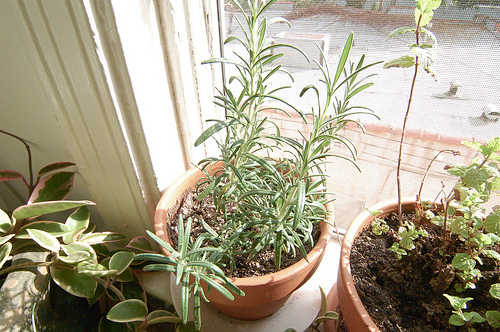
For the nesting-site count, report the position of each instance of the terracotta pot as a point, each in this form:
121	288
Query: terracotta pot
353	311
264	295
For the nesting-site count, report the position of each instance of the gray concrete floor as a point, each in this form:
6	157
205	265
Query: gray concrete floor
468	54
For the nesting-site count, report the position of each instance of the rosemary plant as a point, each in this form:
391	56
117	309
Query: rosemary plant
191	265
278	201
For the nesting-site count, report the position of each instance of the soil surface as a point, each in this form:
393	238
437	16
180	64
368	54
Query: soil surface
189	206
406	295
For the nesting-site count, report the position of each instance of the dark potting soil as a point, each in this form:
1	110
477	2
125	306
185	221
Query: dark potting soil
188	205
407	295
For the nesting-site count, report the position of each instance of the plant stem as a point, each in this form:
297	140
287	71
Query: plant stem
455	153
21	266
403	131
30	159
403	134
108	285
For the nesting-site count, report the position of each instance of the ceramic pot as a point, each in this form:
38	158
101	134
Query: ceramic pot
264	295
353	311
31	301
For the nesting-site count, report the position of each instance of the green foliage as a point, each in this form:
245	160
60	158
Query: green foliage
461	318
277	201
131	310
466	222
423	53
379	225
79	259
81	264
192	264
479	233
323	314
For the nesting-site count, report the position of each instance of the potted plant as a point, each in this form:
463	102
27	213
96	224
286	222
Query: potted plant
436	254
260	203
59	275
450	246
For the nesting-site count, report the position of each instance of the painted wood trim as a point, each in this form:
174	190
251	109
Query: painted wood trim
131	121
74	78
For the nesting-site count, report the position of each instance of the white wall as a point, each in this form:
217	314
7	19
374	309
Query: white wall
79	78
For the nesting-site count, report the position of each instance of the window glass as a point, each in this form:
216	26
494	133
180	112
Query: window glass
463	104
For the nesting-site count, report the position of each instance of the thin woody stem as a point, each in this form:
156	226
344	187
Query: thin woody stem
30	159
403	131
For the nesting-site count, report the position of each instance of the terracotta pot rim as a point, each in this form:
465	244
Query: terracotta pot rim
313	255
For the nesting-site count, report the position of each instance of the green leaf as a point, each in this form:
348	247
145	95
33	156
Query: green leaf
217	286
458	302
42	208
463	261
459	226
475	177
324	303
7	175
105	325
5	250
96	270
4	239
140	243
495	291
76	224
405	61
492	223
330	315
301	201
128	311
473	317
343	57
162	316
426	9
53	187
126	276
75	257
492	254
456	320
161	242
5	222
54	228
121	260
495	184
102	237
160	267
214	129
184	298
75	283
493	145
493	318
400	31
44	239
77	246
54	167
